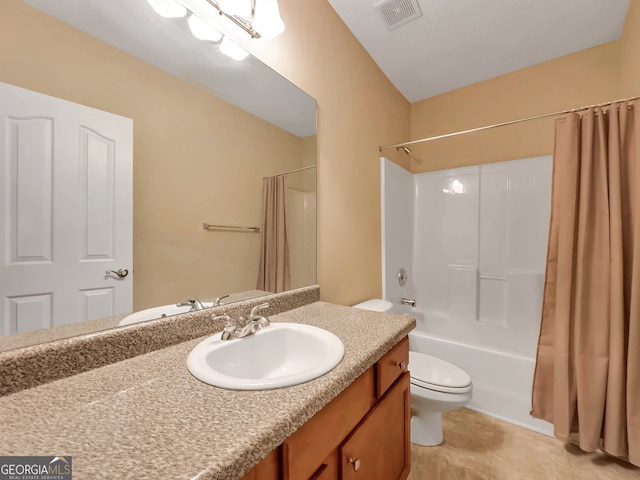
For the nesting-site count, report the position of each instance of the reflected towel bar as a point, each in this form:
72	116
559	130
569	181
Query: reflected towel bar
208	226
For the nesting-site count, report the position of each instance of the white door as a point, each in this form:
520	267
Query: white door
65	211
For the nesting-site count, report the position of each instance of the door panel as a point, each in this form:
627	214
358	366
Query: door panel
30	312
98	184
97	302
30	202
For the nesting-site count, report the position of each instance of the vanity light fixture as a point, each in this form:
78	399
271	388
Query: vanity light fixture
266	19
242	8
259	18
231	49
208	19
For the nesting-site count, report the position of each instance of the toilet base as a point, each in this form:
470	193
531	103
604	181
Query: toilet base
426	430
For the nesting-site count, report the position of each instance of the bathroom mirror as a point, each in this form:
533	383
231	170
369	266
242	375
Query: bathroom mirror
206	130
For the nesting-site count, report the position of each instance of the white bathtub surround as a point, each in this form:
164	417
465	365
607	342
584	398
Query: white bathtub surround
473	241
397	214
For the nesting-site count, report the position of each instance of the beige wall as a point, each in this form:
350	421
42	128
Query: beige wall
583	78
190	164
309	150
358	110
630	52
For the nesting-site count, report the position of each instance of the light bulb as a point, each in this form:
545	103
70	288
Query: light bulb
168	8
267	21
202	30
241	8
231	49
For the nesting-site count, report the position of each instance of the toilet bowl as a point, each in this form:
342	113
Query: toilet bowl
437	386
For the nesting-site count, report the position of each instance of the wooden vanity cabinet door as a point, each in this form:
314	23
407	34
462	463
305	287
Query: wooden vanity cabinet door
267	469
379	448
391	366
329	468
303	453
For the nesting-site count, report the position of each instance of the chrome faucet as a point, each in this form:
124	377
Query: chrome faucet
408	301
245	326
216	302
194	303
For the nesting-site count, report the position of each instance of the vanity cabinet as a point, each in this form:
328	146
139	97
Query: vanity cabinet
379	447
362	434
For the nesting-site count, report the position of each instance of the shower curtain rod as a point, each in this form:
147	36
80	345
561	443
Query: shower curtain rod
512	122
291	171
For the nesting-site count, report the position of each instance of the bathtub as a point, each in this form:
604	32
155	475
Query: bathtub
501	380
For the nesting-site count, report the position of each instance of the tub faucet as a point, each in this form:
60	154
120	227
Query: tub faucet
408	301
194	303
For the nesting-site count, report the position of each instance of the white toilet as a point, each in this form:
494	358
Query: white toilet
436	386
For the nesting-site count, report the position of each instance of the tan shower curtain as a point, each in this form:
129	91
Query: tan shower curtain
274	274
587	378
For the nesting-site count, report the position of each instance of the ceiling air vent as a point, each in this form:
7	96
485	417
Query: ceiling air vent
396	13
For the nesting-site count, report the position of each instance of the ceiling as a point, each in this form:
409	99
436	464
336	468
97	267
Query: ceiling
166	43
460	42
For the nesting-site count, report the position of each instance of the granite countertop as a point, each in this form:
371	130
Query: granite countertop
147	417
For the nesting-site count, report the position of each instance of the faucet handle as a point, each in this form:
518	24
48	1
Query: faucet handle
229	328
254	310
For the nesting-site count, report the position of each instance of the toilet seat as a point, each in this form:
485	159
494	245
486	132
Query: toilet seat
436	374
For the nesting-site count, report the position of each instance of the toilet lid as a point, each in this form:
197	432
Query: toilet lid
376	305
436	374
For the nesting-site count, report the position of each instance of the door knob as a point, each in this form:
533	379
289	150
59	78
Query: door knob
121	273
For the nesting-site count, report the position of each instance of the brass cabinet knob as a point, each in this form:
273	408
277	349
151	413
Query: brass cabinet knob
354	463
403	366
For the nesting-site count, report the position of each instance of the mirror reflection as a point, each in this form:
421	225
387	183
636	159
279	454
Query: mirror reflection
203	133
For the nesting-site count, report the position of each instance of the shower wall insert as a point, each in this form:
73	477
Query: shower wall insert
301	225
473	241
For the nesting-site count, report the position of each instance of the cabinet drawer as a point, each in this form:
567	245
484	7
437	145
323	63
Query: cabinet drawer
305	450
391	366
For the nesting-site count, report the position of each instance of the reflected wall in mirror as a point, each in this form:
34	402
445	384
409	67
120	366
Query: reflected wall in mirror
197	157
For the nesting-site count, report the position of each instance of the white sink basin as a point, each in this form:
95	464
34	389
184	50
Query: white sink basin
157	312
278	355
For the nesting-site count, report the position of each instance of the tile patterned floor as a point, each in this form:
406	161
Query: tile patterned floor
478	447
